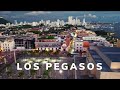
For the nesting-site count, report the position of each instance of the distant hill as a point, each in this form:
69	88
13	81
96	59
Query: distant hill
3	21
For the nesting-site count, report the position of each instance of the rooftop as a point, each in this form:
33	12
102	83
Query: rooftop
23	37
113	53
4	38
98	59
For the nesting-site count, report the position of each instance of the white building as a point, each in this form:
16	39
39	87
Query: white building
48	45
70	19
7	43
16	23
96	38
84	22
80	45
34	23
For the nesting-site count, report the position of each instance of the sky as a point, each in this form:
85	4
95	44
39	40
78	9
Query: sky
30	16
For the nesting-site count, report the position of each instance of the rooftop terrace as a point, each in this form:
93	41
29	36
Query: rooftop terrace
113	53
98	59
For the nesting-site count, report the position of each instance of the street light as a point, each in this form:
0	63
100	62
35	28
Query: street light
75	70
15	56
60	71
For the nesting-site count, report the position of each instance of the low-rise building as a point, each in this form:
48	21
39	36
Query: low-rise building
24	42
109	57
80	45
48	44
118	43
7	43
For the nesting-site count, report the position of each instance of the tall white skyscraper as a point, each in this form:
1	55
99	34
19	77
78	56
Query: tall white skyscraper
58	22
73	22
84	23
15	22
76	20
70	19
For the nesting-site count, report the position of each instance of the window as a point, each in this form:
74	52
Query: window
80	44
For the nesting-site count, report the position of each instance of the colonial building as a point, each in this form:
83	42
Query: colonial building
24	42
7	43
48	44
80	45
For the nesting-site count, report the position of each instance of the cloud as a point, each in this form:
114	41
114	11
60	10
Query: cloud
90	15
37	13
5	12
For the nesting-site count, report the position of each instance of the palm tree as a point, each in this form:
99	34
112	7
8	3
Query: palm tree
40	70
17	62
46	73
50	73
33	72
68	70
21	74
9	71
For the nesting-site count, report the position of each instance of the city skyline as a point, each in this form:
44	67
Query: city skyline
60	49
91	16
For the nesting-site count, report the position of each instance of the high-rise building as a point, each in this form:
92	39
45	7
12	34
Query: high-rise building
84	23
70	19
16	23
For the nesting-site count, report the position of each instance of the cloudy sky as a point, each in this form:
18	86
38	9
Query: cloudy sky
54	15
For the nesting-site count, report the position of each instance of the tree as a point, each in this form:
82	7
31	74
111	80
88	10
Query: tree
21	74
68	54
46	73
32	72
36	32
9	70
68	69
41	25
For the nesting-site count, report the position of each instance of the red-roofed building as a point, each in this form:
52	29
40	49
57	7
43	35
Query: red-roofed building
67	41
86	44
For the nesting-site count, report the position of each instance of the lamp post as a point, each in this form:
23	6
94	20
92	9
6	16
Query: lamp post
5	63
75	70
61	72
14	56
